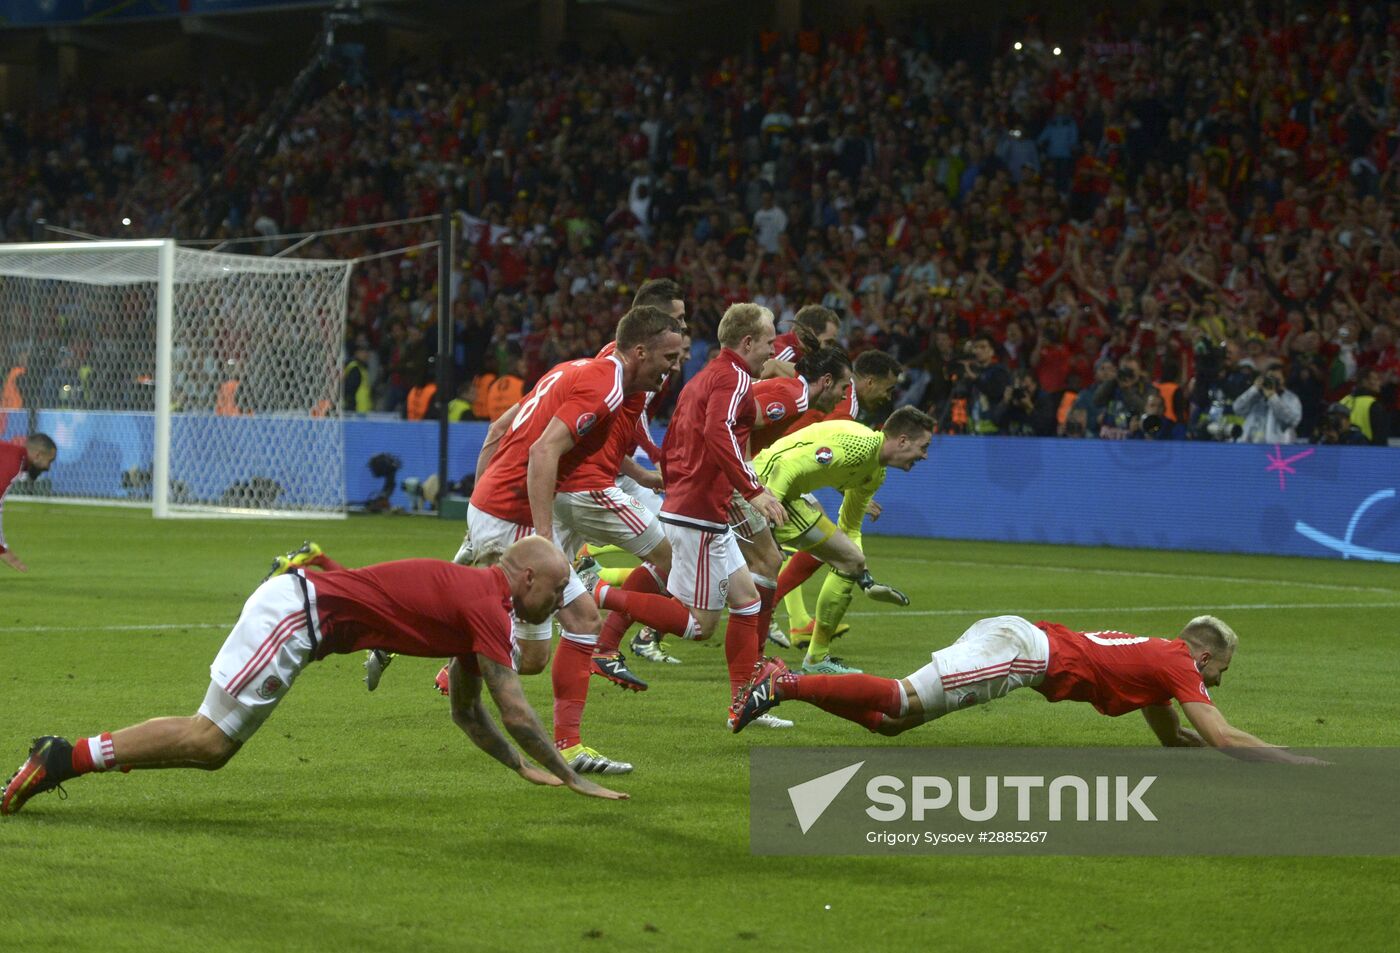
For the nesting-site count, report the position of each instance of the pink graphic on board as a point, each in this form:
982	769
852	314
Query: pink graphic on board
1280	464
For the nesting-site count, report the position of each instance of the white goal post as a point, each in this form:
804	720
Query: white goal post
192	382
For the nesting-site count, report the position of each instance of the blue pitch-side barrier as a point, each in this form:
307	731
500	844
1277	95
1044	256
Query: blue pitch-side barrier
1342	502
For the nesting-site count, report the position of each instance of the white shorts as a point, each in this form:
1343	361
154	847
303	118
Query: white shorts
605	518
994	656
272	641
648	498
484	532
701	564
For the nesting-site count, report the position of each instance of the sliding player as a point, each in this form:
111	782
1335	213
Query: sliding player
1113	671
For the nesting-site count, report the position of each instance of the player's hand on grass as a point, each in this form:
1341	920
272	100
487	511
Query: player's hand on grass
581	785
537	775
13	561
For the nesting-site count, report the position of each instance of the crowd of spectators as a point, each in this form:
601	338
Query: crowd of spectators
1162	230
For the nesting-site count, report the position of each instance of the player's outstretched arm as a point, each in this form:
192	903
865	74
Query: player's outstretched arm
1165	724
13	561
470	714
1219	733
542	474
524	726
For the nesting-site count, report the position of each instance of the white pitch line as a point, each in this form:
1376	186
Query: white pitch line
890	613
1197	608
136	627
1147	574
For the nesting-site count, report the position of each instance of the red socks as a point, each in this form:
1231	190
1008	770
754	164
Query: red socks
742	642
570	671
641	599
865	717
94	754
840	693
767	599
798	570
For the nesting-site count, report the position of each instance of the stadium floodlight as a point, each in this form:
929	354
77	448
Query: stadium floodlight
193	382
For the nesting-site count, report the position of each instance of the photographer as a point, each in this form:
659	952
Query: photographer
1025	410
1123	399
1154	424
984	382
1336	427
1270	410
1367	411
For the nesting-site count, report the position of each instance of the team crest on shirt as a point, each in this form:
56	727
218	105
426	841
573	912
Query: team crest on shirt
270	687
824	455
585	423
774	411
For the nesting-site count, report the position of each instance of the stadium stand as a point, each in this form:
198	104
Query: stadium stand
1197	204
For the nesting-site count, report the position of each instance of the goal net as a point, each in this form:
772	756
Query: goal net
188	381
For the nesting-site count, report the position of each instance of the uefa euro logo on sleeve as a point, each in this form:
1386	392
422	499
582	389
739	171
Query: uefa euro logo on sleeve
824	455
774	411
585	423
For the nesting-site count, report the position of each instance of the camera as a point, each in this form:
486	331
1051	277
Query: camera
1152	424
1018	393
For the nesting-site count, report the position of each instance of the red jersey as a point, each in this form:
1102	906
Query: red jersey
14	459
629	436
786	347
1118	673
621	435
703	451
581	394
778	405
423	607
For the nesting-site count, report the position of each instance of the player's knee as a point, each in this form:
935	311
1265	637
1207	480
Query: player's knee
534	657
850	565
661	561
581	616
768	564
706	620
207	746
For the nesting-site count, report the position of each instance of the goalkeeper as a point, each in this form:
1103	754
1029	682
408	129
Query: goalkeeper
852	458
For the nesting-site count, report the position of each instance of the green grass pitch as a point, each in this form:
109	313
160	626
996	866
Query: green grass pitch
368	822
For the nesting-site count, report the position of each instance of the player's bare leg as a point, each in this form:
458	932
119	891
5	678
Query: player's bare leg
765	559
193	742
